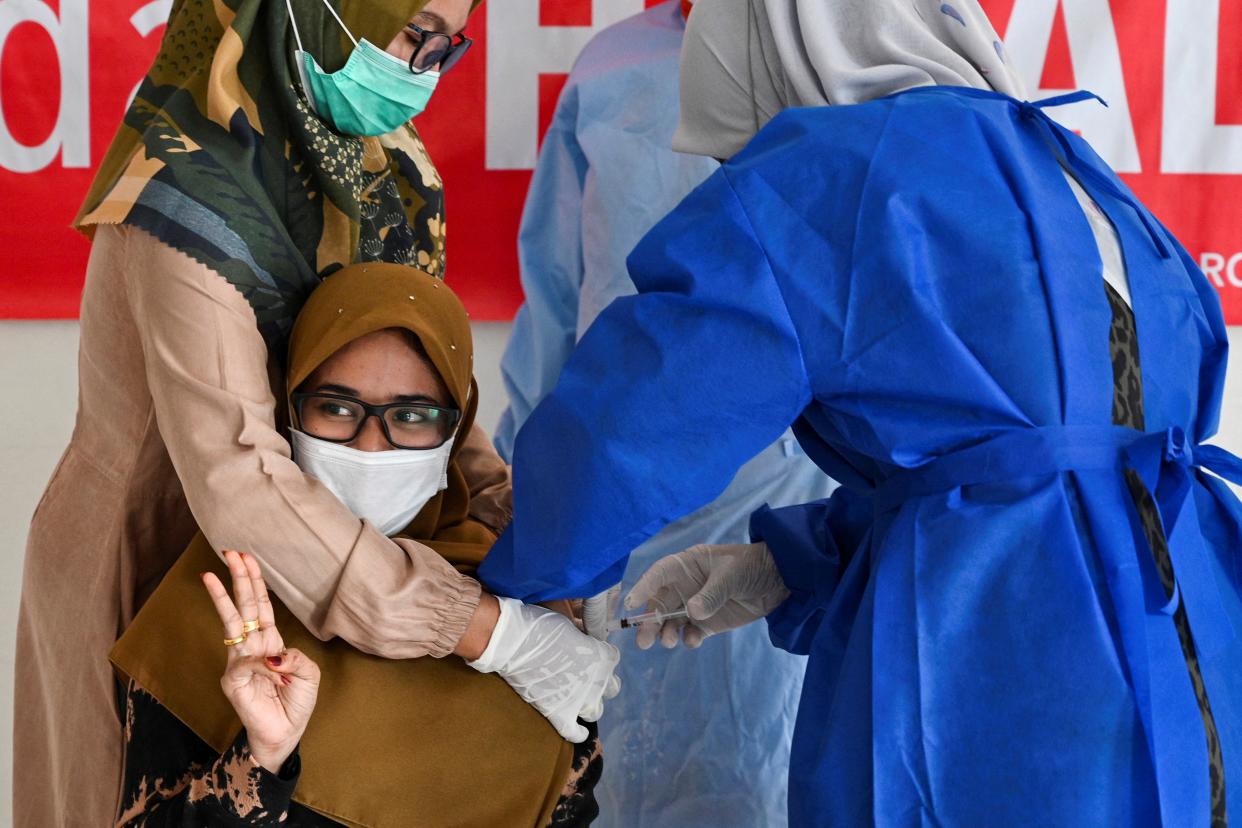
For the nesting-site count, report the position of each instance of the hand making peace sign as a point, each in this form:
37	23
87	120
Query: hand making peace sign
273	689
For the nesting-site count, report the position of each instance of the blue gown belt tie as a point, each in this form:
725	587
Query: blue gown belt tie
1166	463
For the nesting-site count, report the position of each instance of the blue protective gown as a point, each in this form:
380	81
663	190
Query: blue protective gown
912	283
695	738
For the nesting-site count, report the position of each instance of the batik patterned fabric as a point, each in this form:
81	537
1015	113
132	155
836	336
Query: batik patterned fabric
578	806
220	157
173	779
180	782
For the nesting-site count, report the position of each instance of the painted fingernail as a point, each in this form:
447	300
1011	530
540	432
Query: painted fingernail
286	680
275	661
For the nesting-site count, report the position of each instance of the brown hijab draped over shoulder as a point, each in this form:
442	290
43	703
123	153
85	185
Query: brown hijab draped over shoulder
423	742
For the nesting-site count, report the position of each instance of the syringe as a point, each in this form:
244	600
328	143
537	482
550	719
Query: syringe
653	617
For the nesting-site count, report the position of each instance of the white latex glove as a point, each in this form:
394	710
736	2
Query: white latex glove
598	611
564	674
720	587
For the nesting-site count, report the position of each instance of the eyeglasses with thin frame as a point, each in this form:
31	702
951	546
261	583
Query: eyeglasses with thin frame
339	419
437	48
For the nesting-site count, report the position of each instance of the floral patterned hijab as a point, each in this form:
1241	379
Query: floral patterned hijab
220	157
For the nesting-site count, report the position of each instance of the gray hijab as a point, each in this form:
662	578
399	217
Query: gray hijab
743	61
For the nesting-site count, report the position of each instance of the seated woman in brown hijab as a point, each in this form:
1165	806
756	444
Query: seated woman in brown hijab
380	383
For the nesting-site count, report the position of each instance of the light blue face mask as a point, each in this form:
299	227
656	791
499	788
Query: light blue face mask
372	94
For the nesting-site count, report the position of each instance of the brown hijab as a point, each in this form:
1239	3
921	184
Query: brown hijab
422	742
364	299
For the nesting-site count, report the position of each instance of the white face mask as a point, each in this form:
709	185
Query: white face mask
387	488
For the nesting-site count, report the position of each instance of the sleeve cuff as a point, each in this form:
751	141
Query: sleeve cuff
453	618
811	559
796	538
416	607
250	792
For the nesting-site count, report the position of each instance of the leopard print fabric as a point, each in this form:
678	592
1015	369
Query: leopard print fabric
1128	411
1127	374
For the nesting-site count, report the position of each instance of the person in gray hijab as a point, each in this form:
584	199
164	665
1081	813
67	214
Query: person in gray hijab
743	61
1020	606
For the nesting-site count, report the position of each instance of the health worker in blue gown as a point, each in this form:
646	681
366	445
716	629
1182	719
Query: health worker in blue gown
694	738
1023	606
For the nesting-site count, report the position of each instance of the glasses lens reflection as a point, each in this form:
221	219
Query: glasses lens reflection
430	52
456	54
331	419
418	426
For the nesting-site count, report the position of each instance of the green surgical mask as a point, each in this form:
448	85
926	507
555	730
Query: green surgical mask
372	94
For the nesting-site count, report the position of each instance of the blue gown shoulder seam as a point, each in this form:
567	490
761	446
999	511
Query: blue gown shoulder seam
767	261
866	177
863	187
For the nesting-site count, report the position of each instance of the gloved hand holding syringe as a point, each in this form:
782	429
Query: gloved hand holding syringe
599	615
705	590
716	610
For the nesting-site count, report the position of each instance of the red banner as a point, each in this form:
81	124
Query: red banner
67	69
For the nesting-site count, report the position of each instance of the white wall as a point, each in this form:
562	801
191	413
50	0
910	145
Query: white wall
38	378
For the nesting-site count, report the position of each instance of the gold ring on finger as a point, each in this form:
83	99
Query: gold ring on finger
233	642
250	626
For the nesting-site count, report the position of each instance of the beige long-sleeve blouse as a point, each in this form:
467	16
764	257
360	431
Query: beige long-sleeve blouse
176	410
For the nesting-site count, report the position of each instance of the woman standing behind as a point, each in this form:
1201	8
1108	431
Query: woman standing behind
226	196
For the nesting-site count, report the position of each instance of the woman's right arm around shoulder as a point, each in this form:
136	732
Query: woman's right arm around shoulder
207	370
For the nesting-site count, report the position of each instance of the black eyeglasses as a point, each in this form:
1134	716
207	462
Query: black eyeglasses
339	419
437	48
